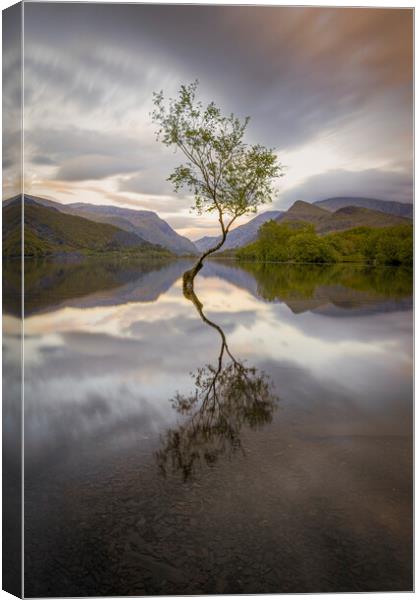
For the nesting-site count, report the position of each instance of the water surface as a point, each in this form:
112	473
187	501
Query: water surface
255	440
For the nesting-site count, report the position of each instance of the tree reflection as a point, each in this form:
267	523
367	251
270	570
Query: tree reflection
226	396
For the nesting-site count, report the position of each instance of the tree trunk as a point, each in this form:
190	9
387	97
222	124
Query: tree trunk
188	277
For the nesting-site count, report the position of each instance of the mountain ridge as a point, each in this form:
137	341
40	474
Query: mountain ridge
347	217
50	232
391	207
147	225
328	215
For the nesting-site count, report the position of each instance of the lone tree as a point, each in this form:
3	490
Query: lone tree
225	175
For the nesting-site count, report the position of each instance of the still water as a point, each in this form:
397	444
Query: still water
254	438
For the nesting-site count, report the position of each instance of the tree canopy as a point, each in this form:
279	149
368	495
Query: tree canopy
225	175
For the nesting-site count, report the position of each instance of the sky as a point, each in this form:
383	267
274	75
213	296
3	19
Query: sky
330	89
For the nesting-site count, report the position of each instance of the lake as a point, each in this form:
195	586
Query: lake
256	438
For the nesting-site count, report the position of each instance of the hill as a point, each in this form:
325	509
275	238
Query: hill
398	209
300	243
353	216
240	236
345	218
144	223
49	231
303	212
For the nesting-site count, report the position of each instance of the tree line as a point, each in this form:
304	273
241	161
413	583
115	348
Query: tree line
299	243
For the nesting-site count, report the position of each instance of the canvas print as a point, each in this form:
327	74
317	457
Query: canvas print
207	299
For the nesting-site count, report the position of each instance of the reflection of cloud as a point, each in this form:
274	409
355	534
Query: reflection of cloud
358	332
53	429
334	408
111	378
101	377
329	480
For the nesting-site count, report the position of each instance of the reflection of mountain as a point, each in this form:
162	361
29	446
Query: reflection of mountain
227	395
233	273
88	283
330	289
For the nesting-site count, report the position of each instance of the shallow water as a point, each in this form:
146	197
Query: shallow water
255	440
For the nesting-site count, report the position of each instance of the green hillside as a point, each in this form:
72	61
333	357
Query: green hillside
48	231
145	224
300	243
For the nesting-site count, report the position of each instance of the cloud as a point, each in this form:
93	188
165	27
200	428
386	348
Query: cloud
371	183
93	167
193	221
70	142
85	154
299	72
11	99
149	181
312	66
39	159
156	203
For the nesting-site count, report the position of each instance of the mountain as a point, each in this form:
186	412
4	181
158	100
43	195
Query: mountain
325	221
143	223
354	216
240	236
50	231
340	220
398	209
301	212
206	242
